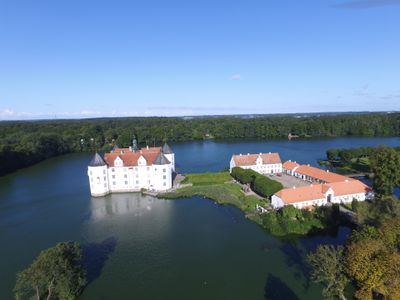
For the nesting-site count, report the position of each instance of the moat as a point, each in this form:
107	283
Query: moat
160	249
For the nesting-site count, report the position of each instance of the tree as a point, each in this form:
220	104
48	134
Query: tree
55	274
328	269
373	260
385	164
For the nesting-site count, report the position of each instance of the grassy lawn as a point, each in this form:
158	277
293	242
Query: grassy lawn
216	186
207	178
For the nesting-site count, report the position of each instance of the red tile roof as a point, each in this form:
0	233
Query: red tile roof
348	187
322	175
301	194
318	191
250	159
290	165
130	158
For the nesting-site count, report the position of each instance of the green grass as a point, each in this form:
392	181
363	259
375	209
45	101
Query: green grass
217	187
207	178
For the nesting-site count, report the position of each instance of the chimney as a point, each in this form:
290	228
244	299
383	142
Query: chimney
327	171
260	153
248	153
346	180
147	147
130	148
294	187
240	154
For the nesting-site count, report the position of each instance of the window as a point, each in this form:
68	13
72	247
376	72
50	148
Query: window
148	181
105	185
165	177
164	184
164	170
112	170
104	178
98	180
148	168
125	176
90	172
137	181
126	182
113	177
104	172
113	182
91	179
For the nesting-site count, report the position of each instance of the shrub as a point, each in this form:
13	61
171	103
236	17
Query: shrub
243	175
262	185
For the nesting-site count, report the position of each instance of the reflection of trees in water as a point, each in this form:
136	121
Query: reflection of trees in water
295	257
95	256
276	289
117	204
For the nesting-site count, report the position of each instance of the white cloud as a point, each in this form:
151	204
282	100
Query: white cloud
10	114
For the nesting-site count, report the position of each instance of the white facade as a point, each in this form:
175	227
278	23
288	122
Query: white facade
131	171
257	164
277	202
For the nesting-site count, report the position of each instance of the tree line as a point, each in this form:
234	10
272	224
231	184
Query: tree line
370	257
23	143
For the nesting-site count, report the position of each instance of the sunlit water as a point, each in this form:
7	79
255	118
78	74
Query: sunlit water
144	248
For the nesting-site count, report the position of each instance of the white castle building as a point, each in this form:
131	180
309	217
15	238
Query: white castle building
263	163
132	169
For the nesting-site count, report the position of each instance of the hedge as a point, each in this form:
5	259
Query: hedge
261	184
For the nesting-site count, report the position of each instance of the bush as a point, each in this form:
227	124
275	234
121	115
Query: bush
266	187
244	175
262	185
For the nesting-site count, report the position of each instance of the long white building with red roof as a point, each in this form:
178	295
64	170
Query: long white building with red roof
132	169
263	163
325	187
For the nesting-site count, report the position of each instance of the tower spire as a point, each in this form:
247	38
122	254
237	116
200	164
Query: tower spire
134	143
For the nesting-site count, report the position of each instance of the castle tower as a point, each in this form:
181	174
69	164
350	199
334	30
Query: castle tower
162	173
98	176
167	151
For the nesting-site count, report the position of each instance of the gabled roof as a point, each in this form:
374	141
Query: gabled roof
290	165
161	160
301	194
348	187
319	191
166	149
251	159
130	158
322	175
97	161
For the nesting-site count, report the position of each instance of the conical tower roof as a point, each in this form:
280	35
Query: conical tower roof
161	160
166	149
97	161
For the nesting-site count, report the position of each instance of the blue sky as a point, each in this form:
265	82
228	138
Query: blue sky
77	59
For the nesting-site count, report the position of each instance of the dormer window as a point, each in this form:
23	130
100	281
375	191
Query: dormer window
142	161
118	162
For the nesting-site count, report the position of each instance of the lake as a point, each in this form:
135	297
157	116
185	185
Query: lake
145	248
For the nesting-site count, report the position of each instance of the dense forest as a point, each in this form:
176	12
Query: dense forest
23	143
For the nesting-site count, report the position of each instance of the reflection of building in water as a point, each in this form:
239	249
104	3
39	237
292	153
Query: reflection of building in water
119	204
132	169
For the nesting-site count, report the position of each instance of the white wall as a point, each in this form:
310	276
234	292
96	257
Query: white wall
98	180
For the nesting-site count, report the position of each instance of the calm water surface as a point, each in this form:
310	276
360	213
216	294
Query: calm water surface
145	248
